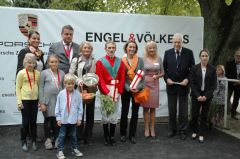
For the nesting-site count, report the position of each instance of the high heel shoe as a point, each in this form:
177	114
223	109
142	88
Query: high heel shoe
146	133
201	139
152	133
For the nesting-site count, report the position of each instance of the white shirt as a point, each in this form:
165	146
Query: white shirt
180	51
66	47
203	78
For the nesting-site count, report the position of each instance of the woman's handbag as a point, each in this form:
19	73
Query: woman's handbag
142	96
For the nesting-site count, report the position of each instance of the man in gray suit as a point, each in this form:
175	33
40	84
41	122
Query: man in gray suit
65	49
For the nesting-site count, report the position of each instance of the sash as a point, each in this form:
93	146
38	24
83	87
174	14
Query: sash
132	67
111	70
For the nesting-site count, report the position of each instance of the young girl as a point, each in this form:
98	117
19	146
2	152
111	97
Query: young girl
51	83
27	99
219	96
68	113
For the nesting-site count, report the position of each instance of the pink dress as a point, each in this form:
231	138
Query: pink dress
151	69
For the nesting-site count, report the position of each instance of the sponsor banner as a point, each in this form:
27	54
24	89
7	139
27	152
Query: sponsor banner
95	27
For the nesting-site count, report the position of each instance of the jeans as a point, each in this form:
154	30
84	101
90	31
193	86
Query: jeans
62	134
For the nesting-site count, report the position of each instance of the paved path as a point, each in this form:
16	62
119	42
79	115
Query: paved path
218	145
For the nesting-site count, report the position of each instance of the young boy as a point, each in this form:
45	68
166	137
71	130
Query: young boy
68	113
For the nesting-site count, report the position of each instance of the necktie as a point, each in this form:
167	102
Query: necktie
178	58
68	47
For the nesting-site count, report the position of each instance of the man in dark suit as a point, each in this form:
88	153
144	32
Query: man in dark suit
232	69
177	64
65	49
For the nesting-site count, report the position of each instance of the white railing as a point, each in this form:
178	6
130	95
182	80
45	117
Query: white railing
226	98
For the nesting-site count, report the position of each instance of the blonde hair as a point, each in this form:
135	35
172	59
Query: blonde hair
221	67
52	56
146	55
29	57
69	77
85	43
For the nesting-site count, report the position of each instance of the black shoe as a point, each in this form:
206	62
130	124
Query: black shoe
123	138
133	140
112	141
234	117
171	134
183	136
87	142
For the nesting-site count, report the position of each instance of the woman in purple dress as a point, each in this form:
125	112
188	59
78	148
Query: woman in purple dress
153	68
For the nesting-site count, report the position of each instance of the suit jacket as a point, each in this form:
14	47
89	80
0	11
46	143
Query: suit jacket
64	63
231	72
210	81
178	74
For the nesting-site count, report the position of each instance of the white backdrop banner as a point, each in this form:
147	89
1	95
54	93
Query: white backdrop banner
95	27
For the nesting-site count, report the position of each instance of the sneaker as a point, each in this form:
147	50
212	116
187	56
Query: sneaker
60	155
201	139
77	153
194	136
34	146
24	147
48	144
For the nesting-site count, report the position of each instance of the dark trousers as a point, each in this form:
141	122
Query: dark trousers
183	112
196	106
126	96
236	96
51	128
85	130
109	131
29	119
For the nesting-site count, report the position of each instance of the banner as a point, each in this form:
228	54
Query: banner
95	27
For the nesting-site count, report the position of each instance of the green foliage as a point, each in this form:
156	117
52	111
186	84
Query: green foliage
5	3
83	5
158	7
228	2
171	7
107	104
31	3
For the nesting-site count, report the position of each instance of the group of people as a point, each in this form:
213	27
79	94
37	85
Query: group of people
50	87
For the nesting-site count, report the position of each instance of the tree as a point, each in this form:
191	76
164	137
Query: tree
221	28
5	3
82	5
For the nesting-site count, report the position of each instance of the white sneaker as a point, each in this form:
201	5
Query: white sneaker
60	155
194	136
77	153
48	144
